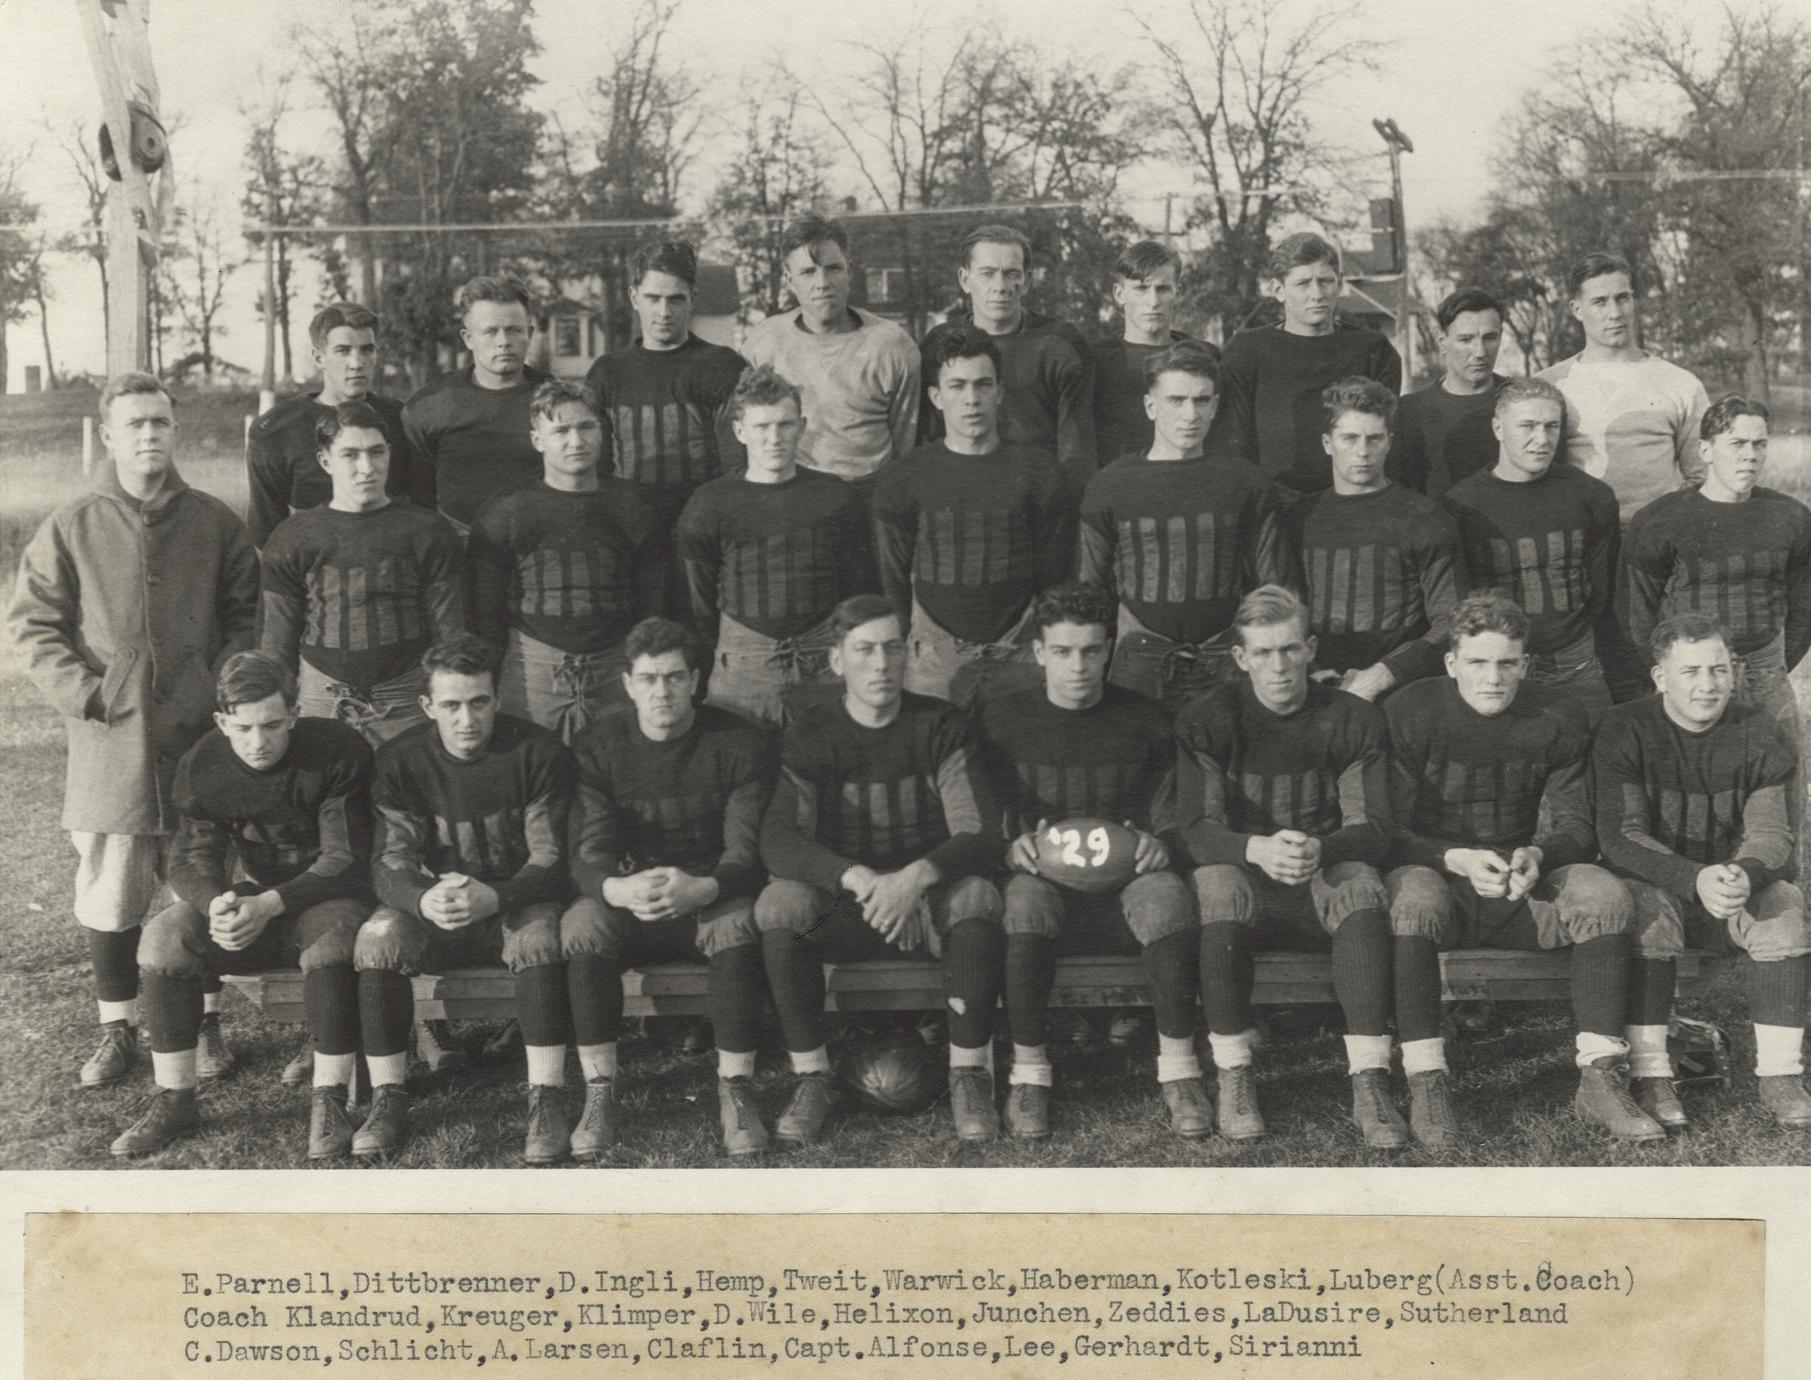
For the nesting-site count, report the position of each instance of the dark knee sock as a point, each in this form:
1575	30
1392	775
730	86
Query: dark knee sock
971	981
386	1011
330	999
1227	974
1171	967
115	960
1030	974
1361	971
1651	983
594	987
796	975
173	1011
1600	984
738	997
1417	982
1776	991
541	1005
211	983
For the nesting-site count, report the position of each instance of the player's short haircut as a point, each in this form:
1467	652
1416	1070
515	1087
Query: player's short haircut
1299	250
1182	357
965	342
129	385
1144	258
858	609
1074	602
1595	266
812	231
676	257
554	394
657	636
1487	611
1268	605
248	677
336	314
762	385
1456	304
486	289
342	415
1356	394
996	234
463	654
1530	389
1721	415
1686	627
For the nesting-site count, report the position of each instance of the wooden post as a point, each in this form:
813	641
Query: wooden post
87	447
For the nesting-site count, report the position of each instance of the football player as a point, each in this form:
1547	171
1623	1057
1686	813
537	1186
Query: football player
1443	432
1144	287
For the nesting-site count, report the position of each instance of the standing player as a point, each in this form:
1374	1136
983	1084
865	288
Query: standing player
1477	763
1691	801
468	430
355	591
1144	286
667	857
1178	537
560	572
1443	432
1076	746
1272	377
880	838
471	867
1544	535
968	530
288	799
282	456
769	554
1282	790
1046	371
128	598
858	372
1381	563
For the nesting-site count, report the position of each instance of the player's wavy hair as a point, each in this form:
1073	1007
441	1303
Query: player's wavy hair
335	315
657	636
1455	304
1721	415
1141	260
1299	250
554	394
342	415
996	234
1486	611
1183	357
464	654
1268	605
810	231
962	342
487	289
248	677
858	609
676	257
1356	394
1685	627
1530	389
1595	265
131	384
762	385
1074	602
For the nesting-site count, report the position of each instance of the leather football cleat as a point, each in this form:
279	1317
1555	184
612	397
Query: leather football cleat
548	1138
1191	1109
599	1123
169	1117
114	1058
330	1127
802	1123
1783	1095
300	1067
740	1113
1027	1111
1431	1115
213	1056
434	1047
1660	1100
386	1126
1375	1111
1236	1108
972	1104
1603	1098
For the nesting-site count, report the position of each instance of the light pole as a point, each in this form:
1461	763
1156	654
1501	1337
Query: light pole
1398	144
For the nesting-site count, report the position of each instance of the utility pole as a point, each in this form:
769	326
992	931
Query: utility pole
1398	144
267	394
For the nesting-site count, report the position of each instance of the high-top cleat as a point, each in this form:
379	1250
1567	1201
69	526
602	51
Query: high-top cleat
1191	1109
386	1125
114	1058
740	1113
1603	1098
300	1067
802	1123
169	1117
502	1045
1783	1095
213	1056
1660	1100
1027	1111
1431	1114
434	1047
1236	1108
330	1128
548	1138
1375	1111
972	1104
599	1123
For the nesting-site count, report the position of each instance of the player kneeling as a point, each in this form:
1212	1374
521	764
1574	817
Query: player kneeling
1077	747
880	838
667	856
1473	759
289	798
1283	790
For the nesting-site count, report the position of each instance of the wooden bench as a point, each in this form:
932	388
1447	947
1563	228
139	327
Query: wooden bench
678	989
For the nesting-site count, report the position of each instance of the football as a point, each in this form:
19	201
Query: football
1087	854
895	1072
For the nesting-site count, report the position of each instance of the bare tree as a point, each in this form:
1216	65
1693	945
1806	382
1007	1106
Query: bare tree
281	188
777	173
40	296
196	265
79	147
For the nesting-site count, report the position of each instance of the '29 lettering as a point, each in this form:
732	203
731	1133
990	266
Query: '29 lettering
1071	842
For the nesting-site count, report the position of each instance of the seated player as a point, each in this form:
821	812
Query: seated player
1282	792
1381	563
769	553
880	839
1476	762
471	867
288	797
1178	537
1691	804
1077	746
968	529
560	572
667	857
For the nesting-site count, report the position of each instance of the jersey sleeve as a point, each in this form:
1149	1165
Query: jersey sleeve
1406	755
423	487
267	483
903	404
1095	538
201	857
598	837
283	600
1440	573
342	867
1648	557
400	871
701	554
1073	385
1766	850
1625	827
789	844
1363	784
445	592
974	846
738	869
545	816
1798	587
1202	819
895	535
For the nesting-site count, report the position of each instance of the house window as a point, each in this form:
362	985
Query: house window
566	336
886	285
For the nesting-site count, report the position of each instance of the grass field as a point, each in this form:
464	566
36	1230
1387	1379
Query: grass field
1514	1084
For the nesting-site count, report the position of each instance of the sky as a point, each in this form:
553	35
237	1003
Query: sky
1453	72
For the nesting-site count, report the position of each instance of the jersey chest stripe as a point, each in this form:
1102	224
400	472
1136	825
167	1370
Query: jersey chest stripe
1534	599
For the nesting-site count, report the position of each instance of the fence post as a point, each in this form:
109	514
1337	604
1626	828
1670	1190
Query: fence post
87	447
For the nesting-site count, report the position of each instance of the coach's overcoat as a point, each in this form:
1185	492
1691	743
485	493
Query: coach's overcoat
122	613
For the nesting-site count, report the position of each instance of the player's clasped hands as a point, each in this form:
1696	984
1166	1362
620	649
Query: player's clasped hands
1152	856
1723	888
1488	871
893	902
660	893
456	901
235	922
1287	856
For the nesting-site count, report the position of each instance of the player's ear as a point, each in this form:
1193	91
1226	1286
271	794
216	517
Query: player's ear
1150	407
1452	665
220	721
1659	676
321	457
534	438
